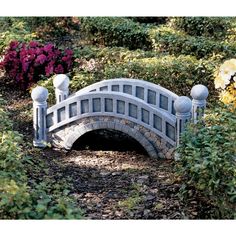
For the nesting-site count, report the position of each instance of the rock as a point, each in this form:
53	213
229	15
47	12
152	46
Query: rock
146	212
115	173
143	179
149	197
104	173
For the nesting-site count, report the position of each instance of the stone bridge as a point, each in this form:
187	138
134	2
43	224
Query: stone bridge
149	113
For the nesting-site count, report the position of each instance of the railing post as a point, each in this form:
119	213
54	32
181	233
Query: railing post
39	96
199	93
183	107
61	84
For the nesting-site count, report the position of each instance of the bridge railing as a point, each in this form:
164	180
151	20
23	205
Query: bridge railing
152	94
112	104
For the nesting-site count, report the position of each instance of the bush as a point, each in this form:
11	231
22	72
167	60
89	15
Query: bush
116	31
26	63
149	20
167	40
12	30
48	28
215	27
43	29
178	74
21	197
208	160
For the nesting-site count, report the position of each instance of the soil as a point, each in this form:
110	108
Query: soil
108	184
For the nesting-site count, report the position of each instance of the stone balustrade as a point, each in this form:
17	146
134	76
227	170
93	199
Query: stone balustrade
153	115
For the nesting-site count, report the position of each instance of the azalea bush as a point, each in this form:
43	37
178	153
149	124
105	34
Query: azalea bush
207	162
26	63
225	81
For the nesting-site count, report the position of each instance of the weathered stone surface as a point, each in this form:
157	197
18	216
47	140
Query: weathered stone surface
149	140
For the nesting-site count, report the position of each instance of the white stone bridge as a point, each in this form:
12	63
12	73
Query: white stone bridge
149	113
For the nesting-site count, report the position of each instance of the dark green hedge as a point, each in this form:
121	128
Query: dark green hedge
116	31
215	27
175	42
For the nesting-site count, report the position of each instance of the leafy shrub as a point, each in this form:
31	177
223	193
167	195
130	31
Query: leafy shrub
149	19
107	55
48	28
215	27
116	31
12	30
178	74
25	63
43	29
208	160
20	197
175	42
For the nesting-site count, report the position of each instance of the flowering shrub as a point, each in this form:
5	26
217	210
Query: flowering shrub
26	63
225	80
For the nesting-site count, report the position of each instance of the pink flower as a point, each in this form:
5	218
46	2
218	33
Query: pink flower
25	66
33	44
40	59
48	47
14	44
49	69
59	69
69	52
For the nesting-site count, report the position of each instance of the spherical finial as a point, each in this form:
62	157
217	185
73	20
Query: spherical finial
61	81
183	104
199	92
39	94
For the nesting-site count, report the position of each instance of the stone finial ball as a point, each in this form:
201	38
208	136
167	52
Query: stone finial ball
61	81
199	92
183	104
39	94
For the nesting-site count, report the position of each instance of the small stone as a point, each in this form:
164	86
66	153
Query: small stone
146	212
115	173
149	198
104	173
143	179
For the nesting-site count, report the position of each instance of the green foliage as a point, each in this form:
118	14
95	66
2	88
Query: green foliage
215	27
116	31
208	160
108	55
18	198
135	198
13	29
167	40
42	29
169	71
48	28
149	20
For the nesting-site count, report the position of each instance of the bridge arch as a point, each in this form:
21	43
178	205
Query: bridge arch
79	131
154	145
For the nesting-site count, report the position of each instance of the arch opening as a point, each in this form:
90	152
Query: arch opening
108	140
